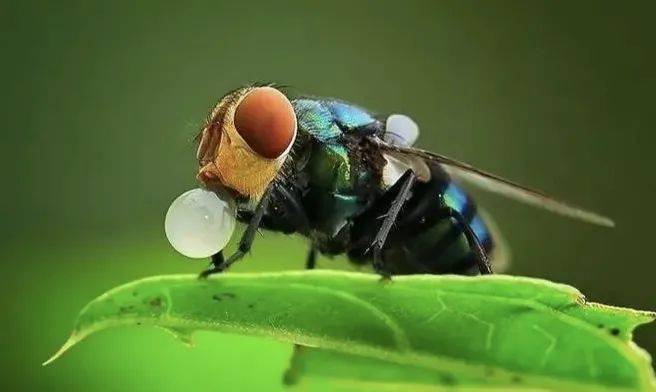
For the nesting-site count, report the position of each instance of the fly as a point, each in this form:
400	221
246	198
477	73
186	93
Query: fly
352	183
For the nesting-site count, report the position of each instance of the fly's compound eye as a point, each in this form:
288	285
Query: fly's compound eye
265	119
200	222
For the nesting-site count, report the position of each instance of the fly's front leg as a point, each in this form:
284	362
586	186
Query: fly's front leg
407	180
249	235
246	239
482	260
216	265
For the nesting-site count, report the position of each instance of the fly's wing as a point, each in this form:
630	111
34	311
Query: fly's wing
500	256
499	185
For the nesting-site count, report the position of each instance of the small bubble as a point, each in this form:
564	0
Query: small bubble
200	223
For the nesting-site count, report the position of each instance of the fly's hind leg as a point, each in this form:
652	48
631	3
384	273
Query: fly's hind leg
407	180
482	260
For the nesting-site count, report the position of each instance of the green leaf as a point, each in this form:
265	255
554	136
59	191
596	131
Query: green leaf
493	332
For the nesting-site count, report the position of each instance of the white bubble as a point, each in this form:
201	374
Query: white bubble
199	222
401	130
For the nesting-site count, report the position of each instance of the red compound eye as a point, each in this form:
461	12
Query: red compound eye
265	119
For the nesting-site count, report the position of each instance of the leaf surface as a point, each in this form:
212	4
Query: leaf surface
416	331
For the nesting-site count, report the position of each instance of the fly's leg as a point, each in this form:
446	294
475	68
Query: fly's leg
216	266
482	260
293	210
407	180
311	260
249	234
246	239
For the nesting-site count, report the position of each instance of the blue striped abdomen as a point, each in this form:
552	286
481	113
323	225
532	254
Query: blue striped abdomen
456	198
424	241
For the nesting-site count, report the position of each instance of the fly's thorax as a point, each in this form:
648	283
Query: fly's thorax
260	115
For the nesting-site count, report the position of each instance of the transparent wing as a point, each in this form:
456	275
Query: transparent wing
499	185
500	257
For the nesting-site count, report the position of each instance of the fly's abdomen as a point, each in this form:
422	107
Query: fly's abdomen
441	247
424	239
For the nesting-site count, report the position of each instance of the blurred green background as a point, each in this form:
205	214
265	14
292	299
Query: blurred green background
101	102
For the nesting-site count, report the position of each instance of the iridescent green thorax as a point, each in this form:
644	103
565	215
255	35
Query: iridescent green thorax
337	174
314	117
330	167
329	119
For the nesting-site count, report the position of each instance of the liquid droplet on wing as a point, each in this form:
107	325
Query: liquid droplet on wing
199	223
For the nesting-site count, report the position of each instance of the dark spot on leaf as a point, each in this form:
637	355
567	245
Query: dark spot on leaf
134	293
448	379
600	325
489	372
155	302
221	296
516	379
251	306
126	309
615	331
138	322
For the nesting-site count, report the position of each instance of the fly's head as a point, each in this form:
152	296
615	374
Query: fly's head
246	140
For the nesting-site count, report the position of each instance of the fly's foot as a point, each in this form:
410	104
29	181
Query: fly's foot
219	265
214	269
385	279
216	266
379	266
